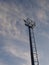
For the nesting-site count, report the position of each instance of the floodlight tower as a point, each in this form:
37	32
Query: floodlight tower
33	51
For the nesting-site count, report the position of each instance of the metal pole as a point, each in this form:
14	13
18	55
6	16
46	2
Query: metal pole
31	49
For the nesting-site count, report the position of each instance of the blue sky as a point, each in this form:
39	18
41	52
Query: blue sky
14	40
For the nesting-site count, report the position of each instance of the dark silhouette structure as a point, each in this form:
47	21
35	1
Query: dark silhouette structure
33	51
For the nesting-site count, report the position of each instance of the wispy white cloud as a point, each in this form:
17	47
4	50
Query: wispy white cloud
14	51
42	16
8	18
2	62
43	4
45	34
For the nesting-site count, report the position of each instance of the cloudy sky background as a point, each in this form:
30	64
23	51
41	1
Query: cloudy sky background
14	40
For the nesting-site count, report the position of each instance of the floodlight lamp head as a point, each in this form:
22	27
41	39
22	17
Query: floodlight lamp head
29	22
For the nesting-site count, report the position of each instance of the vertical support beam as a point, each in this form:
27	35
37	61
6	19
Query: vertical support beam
31	49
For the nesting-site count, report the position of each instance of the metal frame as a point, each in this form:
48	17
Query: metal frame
30	24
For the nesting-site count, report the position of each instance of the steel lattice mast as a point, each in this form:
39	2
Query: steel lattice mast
33	51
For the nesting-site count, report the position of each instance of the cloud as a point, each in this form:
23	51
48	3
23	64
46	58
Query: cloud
11	26
45	34
43	4
9	16
2	62
41	11
42	16
14	51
